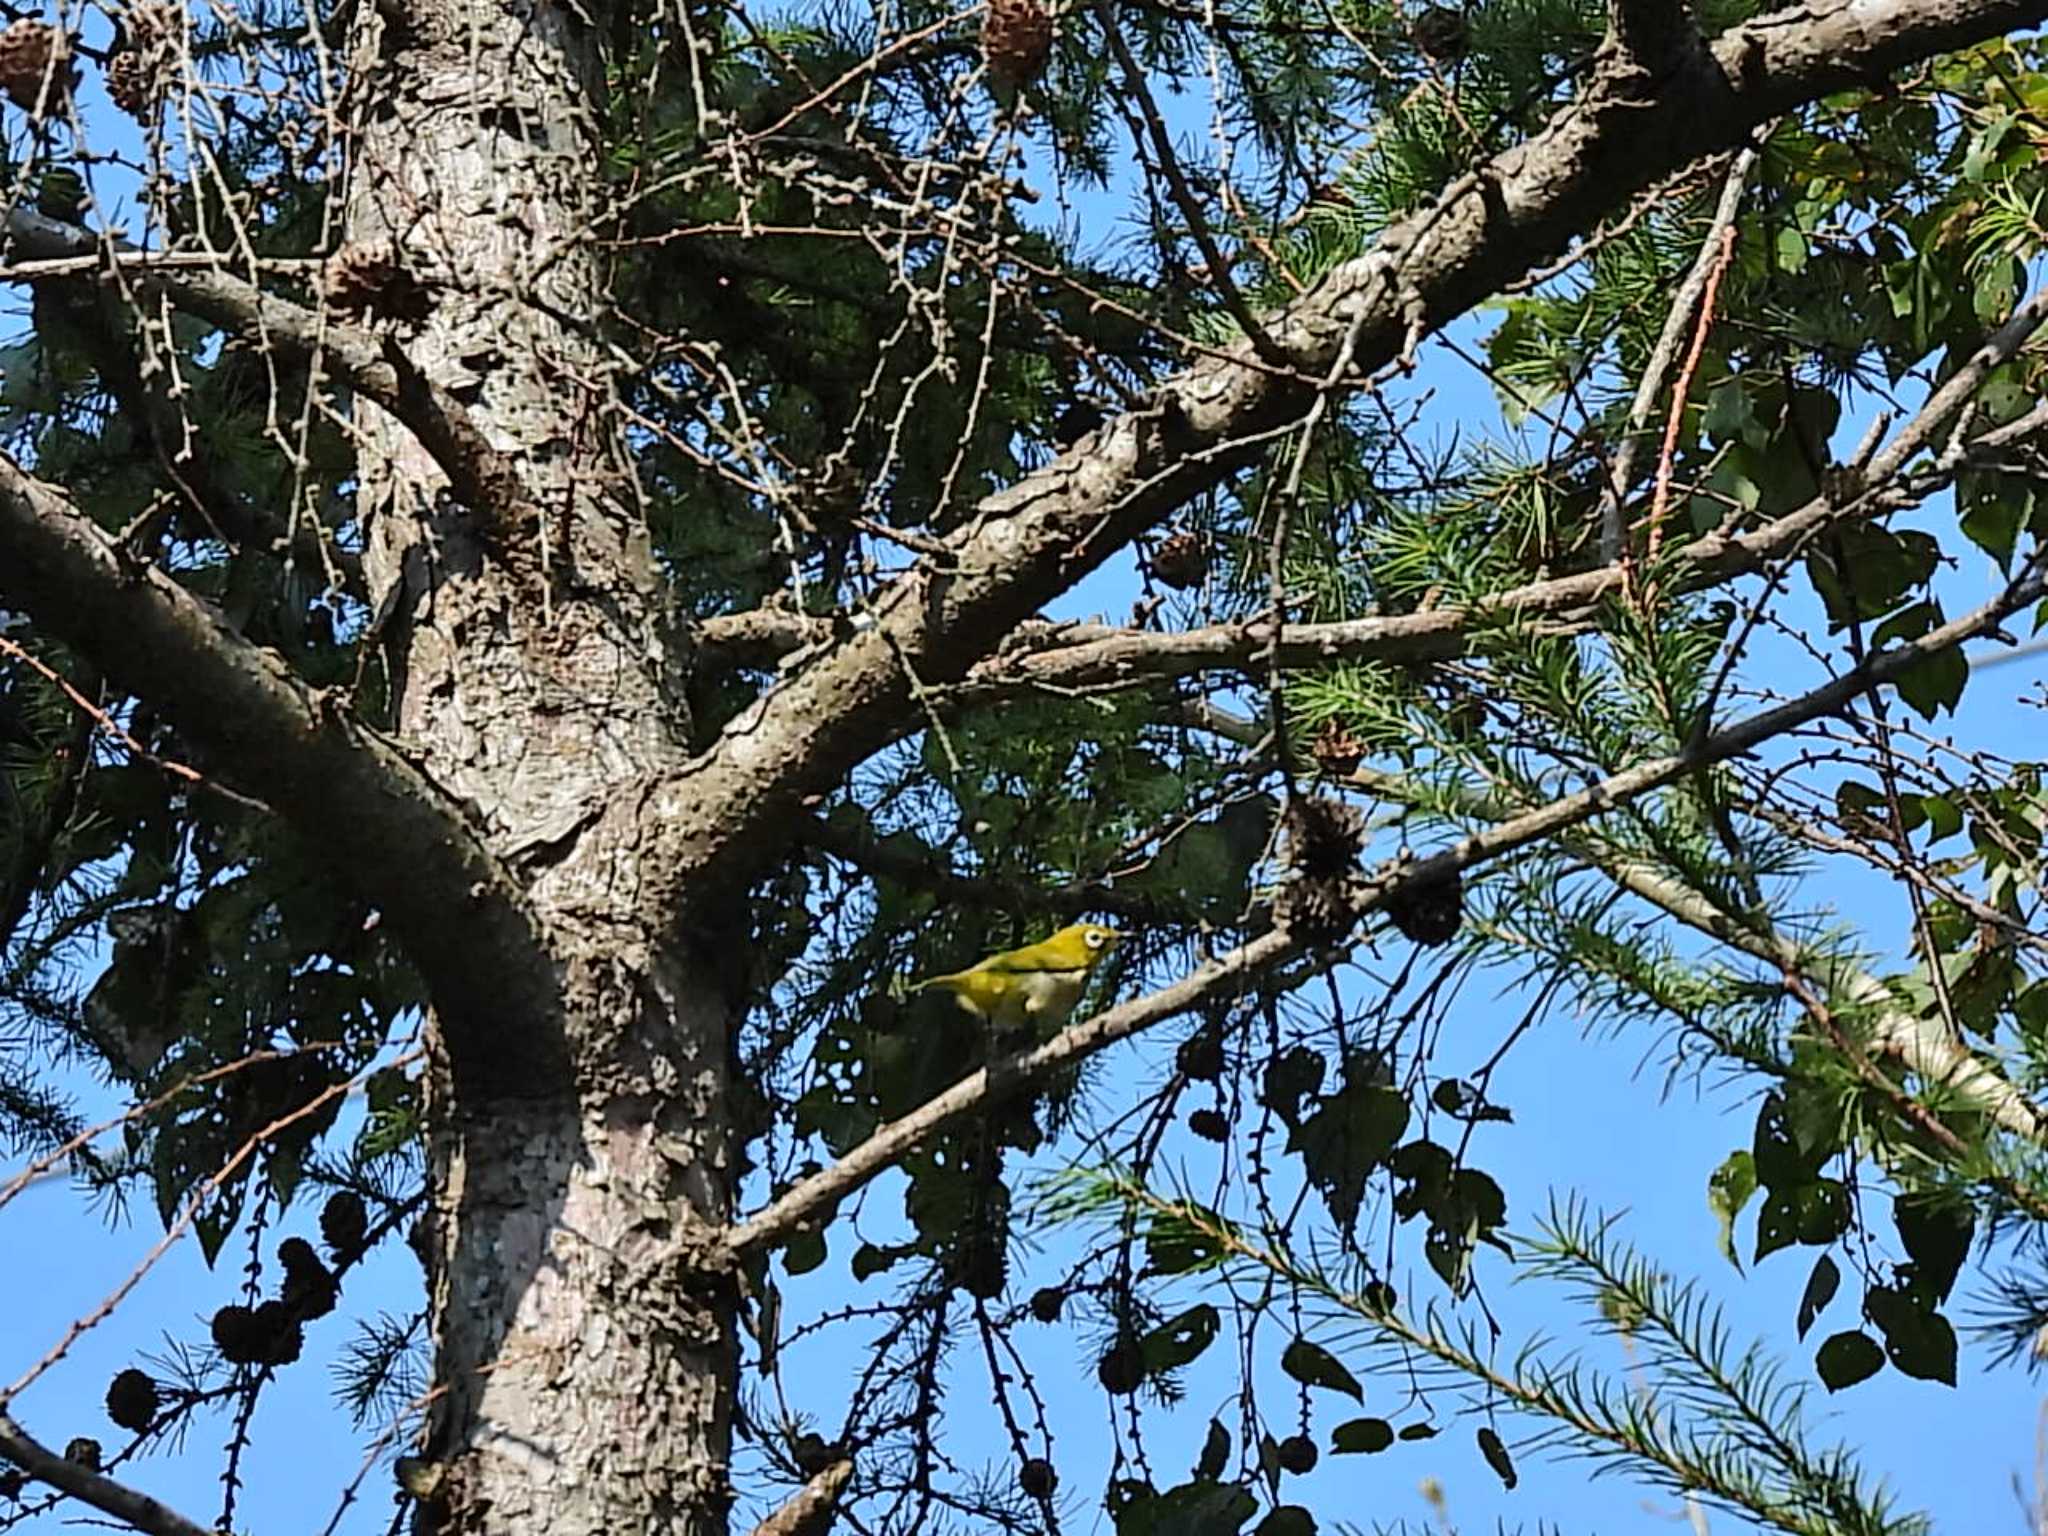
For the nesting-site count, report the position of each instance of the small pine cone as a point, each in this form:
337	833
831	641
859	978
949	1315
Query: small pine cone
1200	1056
368	280
1182	560
1016	39
1428	912
132	85
151	24
309	1289
1337	752
344	1223
1324	838
133	1400
277	1333
1440	34
982	1266
1318	911
12	1481
1209	1124
35	65
235	1335
84	1451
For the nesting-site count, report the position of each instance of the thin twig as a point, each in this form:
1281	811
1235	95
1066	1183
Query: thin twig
1657	370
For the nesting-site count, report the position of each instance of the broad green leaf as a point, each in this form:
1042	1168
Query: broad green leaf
1349	1134
1821	1286
1934	683
1314	1366
1177	1341
1728	1191
1286	1520
1936	1230
1291	1077
1362	1436
1198	1508
1847	1358
1174	1247
804	1252
1784	1148
1814	1213
1917	1339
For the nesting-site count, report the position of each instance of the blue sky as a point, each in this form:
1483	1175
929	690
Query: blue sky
1591	1115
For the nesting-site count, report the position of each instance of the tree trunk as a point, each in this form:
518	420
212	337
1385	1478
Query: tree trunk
583	1336
585	1348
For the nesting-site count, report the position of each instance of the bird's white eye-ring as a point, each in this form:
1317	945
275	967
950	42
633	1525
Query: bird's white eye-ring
1095	938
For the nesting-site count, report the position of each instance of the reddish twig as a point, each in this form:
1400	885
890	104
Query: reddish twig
1676	418
49	1160
119	732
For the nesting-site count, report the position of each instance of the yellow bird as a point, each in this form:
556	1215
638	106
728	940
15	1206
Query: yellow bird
1040	983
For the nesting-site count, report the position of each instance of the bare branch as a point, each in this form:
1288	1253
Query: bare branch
481	477
724	811
1079	1041
927	869
757	638
387	829
125	1504
1183	195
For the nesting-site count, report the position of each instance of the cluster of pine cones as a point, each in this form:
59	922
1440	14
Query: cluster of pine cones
1016	40
37	75
36	70
136	74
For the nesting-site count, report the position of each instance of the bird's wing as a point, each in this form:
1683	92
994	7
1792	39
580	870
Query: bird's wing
1032	959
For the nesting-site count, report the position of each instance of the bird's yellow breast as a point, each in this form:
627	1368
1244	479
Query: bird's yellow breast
1014	998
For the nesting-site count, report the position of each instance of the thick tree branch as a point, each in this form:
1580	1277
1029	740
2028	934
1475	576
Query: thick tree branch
1074	1043
810	1509
1093	656
757	638
135	1509
1923	1045
1079	1041
722	814
349	792
1654	34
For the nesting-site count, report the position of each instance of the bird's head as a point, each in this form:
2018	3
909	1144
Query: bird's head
1079	946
